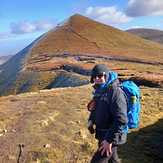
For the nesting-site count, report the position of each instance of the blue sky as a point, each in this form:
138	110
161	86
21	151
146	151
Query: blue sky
23	21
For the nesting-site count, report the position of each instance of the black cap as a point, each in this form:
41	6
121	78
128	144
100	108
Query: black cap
98	70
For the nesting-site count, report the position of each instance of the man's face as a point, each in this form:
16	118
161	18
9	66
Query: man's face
100	79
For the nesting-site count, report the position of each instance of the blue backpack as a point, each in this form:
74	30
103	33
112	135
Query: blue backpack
132	93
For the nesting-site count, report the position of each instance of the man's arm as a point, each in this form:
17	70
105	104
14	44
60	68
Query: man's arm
119	113
91	122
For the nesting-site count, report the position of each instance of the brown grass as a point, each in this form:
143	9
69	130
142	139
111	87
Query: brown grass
52	126
81	35
92	42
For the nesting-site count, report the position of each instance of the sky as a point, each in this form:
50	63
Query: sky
22	21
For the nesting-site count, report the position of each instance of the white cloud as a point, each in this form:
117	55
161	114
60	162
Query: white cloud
107	15
22	27
135	27
4	35
144	8
26	27
156	26
44	25
29	27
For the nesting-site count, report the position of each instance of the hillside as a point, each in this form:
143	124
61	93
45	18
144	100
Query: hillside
65	55
4	59
50	126
149	34
81	35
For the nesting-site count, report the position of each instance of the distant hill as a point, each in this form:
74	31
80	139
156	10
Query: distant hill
149	34
3	59
64	56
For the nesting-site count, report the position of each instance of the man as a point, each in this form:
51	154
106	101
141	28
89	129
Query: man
109	115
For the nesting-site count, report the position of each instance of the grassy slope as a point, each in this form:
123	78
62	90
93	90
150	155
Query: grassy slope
35	66
4	59
46	74
78	36
81	35
52	126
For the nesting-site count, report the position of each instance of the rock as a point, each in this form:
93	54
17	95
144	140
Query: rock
13	130
78	122
46	146
3	131
44	123
41	102
83	134
12	157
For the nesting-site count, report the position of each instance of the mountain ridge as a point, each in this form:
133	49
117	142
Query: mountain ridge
94	38
74	47
4	58
149	34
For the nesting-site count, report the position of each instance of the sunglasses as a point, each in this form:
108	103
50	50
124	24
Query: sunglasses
100	75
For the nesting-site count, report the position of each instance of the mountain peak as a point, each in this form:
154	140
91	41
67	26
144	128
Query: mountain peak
77	36
80	19
76	15
77	19
82	35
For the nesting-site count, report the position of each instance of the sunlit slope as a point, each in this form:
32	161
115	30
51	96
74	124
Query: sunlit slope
51	125
67	53
81	35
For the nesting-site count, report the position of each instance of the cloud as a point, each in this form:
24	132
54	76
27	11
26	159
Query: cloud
135	27
30	27
144	8
26	27
4	35
107	15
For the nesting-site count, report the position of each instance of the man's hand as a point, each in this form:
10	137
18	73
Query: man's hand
91	105
105	147
91	130
91	127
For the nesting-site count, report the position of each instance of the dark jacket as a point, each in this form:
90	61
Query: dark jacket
110	115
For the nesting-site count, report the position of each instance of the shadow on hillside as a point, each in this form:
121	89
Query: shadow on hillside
145	82
67	79
145	145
